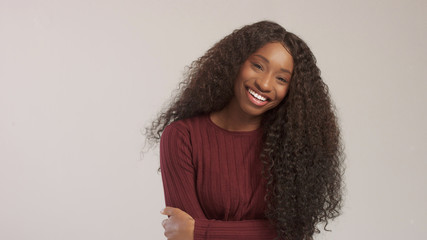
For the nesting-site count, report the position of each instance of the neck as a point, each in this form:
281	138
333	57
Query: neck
232	118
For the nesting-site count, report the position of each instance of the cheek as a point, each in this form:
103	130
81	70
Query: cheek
244	75
245	72
282	92
238	86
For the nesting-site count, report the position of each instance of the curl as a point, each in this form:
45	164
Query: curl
302	153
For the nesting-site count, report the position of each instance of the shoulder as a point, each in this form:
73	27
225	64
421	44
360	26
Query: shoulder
186	126
179	137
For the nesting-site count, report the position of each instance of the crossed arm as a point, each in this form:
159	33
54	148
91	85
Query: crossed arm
187	219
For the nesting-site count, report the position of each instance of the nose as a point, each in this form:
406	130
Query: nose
264	84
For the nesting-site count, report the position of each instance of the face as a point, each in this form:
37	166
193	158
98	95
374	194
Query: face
263	79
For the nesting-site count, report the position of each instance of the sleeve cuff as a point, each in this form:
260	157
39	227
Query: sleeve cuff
201	227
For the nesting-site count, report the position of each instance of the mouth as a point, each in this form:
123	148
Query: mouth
257	98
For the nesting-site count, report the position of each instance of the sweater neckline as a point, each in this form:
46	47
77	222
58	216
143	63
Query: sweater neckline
252	132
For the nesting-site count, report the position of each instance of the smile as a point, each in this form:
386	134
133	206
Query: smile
256	95
256	98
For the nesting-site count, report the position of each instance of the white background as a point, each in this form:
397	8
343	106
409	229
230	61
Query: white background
80	79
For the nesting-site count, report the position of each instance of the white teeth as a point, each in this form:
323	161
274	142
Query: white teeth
256	95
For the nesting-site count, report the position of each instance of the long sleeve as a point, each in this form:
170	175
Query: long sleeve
179	182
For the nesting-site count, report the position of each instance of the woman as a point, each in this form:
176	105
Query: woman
250	147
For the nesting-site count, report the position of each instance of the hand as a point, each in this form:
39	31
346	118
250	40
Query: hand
179	225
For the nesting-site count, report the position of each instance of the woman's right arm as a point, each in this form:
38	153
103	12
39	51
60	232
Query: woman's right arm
179	182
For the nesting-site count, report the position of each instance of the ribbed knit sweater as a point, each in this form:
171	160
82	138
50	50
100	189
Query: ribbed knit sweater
215	176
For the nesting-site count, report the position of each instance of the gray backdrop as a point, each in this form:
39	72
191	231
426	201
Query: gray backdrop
79	79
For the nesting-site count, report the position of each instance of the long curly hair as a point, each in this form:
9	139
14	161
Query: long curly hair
302	152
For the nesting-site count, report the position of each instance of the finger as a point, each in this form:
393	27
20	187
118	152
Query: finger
163	211
167	234
169	211
164	223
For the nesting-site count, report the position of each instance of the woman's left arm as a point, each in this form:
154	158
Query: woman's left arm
178	175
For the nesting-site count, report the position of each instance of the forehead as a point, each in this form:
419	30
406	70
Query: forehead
276	54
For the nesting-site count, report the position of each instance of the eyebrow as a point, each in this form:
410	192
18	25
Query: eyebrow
266	60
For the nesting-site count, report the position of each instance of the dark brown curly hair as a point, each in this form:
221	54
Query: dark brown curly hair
302	153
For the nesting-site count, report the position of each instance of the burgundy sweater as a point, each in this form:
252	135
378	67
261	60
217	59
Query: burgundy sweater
215	176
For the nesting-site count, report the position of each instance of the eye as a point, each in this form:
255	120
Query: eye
282	79
256	65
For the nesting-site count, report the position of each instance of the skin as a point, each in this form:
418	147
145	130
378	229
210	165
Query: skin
267	72
179	225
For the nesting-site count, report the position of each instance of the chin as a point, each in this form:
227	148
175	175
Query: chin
253	112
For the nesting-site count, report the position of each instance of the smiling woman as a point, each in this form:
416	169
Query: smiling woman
250	148
263	80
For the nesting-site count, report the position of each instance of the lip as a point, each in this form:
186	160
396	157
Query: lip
256	101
